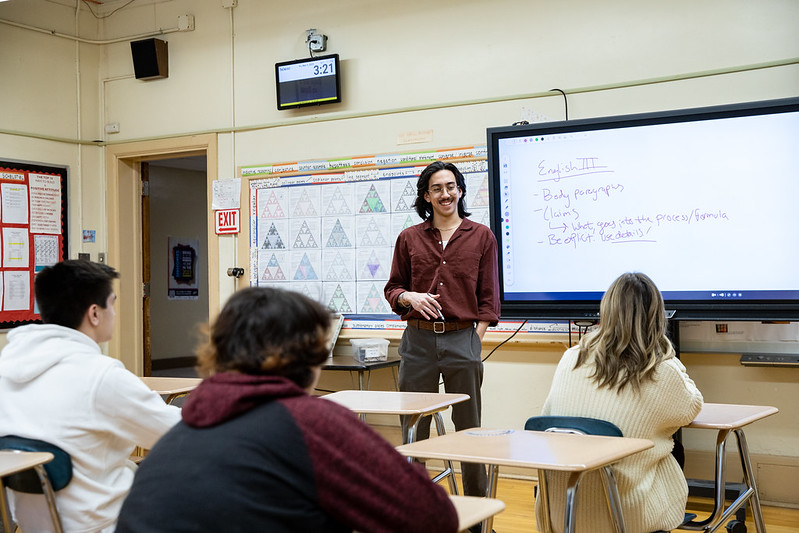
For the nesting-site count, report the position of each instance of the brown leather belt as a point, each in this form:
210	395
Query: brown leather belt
440	327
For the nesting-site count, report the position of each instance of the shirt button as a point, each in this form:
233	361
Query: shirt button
443	262
441	283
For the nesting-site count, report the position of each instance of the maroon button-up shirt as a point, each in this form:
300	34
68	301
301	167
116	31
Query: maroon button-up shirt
464	273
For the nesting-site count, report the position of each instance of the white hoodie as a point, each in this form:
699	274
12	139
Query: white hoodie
56	385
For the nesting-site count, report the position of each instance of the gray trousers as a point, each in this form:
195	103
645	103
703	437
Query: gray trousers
455	356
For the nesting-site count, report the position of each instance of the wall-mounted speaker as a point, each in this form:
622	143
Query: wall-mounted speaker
150	59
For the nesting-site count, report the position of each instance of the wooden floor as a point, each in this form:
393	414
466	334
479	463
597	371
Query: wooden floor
518	514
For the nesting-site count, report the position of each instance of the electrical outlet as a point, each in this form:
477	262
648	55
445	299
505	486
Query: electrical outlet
113	127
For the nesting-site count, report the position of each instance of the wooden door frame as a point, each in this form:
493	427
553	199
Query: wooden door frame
124	215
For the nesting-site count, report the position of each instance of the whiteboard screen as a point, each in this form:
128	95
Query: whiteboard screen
704	201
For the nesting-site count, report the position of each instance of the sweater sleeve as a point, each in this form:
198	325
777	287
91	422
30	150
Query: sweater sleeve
684	399
133	411
362	481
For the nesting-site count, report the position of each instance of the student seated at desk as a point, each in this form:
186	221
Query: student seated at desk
57	386
256	452
626	373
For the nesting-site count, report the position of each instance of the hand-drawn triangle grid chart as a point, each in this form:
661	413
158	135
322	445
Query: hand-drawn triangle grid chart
330	233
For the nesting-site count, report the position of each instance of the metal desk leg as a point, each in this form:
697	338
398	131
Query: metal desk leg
720	516
546	518
4	511
612	496
362	416
749	479
172	397
493	477
413	426
570	518
449	470
710	523
49	496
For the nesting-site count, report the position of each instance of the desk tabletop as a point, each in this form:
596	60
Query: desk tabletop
527	449
12	462
730	416
347	362
474	509
395	403
166	385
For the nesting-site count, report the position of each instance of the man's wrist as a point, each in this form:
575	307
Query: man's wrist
402	301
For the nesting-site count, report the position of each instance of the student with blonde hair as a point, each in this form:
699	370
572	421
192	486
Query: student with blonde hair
626	373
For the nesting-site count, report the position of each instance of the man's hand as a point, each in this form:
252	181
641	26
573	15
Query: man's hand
423	302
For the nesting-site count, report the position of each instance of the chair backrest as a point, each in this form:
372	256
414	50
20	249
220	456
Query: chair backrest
59	470
572	424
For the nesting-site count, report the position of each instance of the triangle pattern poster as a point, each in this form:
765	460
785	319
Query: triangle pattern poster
328	228
305	238
373	203
305	271
273	240
273	272
374	302
338	302
338	237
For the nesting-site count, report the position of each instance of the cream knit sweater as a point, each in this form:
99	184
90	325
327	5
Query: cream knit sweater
652	488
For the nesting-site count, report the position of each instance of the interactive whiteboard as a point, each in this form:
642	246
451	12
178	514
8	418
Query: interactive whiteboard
704	201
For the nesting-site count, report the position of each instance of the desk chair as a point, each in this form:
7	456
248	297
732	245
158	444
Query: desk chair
48	479
582	426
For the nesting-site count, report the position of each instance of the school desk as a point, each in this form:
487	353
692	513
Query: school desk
473	510
726	418
348	363
415	405
172	388
14	462
564	452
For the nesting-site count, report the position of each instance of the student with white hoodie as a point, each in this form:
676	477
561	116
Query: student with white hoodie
57	386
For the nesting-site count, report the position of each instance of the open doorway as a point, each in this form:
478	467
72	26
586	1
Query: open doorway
124	212
175	257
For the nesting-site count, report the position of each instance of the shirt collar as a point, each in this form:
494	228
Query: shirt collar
466	224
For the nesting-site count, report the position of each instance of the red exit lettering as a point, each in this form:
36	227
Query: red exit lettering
227	221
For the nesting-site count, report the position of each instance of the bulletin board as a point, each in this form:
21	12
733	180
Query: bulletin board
33	233
327	228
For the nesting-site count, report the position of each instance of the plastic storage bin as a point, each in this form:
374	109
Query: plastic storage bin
369	350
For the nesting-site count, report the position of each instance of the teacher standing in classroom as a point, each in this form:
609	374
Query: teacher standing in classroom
444	283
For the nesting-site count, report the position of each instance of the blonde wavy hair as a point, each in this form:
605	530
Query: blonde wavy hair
631	339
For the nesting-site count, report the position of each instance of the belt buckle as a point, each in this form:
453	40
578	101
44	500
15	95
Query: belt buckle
436	326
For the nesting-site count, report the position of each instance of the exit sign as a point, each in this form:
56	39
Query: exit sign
227	221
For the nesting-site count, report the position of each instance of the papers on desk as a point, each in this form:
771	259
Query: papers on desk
489	432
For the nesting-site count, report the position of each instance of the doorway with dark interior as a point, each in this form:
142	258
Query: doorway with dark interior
175	263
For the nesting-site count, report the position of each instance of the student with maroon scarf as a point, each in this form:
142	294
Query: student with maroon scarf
256	452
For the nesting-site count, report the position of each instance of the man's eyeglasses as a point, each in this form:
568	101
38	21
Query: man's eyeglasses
438	189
